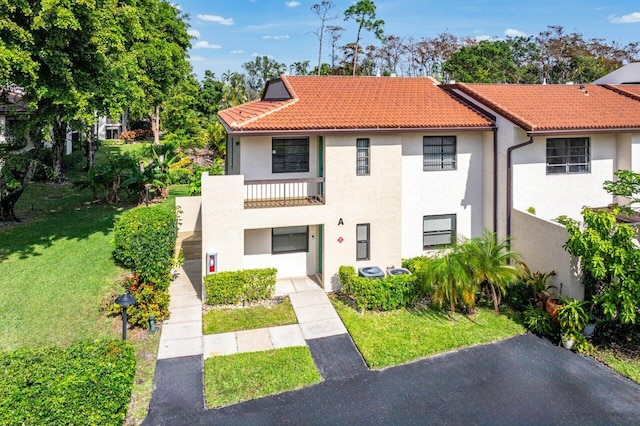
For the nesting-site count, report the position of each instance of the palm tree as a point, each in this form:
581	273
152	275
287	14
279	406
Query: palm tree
490	264
450	279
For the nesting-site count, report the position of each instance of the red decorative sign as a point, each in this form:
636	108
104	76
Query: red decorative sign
340	239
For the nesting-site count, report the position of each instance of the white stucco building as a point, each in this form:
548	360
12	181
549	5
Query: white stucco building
362	171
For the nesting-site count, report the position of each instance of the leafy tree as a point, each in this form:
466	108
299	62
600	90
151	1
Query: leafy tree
299	68
364	13
210	94
322	10
485	62
157	56
609	259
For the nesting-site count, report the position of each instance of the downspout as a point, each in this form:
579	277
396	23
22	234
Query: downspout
495	179
510	182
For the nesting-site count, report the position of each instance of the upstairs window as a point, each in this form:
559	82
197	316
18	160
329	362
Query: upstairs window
362	159
438	231
290	155
439	153
568	155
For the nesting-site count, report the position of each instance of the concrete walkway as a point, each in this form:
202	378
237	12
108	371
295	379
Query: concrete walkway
182	332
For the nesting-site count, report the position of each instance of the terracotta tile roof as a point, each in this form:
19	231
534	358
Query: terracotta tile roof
539	108
355	103
630	90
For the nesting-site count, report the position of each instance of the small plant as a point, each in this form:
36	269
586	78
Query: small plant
531	210
538	321
572	317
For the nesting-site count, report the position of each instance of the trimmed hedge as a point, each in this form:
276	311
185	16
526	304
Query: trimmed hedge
383	294
230	288
145	238
88	382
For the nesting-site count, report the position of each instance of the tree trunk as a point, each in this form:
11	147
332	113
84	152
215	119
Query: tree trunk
496	304
59	142
155	125
91	149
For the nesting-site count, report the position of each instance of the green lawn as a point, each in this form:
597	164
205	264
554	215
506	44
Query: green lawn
397	337
235	378
56	268
235	319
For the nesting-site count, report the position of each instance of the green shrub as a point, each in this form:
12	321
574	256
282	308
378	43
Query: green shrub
519	296
150	300
145	239
538	321
179	176
345	273
240	286
416	264
383	294
87	382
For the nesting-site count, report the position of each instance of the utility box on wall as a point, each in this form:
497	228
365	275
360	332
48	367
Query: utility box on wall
212	262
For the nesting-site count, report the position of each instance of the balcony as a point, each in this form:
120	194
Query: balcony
283	193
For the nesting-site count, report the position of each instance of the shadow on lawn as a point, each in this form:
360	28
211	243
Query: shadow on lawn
50	212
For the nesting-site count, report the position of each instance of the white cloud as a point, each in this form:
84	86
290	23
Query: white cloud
277	37
193	32
510	32
217	19
205	45
237	52
292	3
625	19
197	58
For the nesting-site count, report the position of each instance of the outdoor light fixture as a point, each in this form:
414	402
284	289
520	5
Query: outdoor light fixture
125	301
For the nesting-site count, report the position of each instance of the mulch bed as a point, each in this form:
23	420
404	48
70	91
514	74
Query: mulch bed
621	339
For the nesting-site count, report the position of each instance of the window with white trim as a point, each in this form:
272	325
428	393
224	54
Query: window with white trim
568	155
290	155
362	157
290	239
438	230
362	241
439	153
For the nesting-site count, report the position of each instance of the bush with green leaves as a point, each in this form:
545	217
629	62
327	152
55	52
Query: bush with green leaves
538	321
233	287
88	382
383	294
145	240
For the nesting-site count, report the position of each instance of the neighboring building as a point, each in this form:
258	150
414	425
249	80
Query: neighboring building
10	109
361	171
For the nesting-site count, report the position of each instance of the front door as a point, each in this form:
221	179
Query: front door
320	244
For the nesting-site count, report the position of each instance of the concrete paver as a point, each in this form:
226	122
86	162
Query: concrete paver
177	348
322	328
284	287
185	313
254	340
219	344
309	298
316	313
286	336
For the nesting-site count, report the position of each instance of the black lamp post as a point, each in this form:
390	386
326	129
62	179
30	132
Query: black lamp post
147	187
125	301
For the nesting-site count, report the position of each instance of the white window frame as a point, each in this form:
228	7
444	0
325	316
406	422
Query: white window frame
363	241
290	234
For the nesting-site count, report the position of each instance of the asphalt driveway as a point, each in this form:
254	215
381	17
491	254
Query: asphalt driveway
523	380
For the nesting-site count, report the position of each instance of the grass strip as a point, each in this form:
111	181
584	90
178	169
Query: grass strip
235	378
396	337
236	319
627	368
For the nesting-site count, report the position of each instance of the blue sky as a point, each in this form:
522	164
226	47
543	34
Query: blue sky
228	33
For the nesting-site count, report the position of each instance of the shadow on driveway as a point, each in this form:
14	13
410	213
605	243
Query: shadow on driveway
523	380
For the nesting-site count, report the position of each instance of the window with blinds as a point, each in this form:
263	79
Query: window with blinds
290	155
438	231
